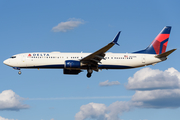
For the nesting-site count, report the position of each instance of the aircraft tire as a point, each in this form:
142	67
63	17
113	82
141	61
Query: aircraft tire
88	75
19	72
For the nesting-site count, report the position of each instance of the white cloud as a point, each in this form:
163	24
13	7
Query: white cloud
119	107
68	25
149	79
101	112
1	118
107	83
158	98
141	99
9	100
155	88
92	110
163	95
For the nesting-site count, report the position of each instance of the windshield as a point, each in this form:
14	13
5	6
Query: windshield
13	57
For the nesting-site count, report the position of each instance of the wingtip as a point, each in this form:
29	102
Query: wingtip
116	38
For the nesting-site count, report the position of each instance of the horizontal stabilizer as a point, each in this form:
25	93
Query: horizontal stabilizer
165	54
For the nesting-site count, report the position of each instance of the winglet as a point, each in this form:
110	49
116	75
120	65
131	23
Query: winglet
116	38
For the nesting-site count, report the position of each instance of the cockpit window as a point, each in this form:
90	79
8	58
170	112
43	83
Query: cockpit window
13	57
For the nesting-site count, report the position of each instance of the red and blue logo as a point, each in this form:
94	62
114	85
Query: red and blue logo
159	44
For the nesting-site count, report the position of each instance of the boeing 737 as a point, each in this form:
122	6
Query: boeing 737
74	63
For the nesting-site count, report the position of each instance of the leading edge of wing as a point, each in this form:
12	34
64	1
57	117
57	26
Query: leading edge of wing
99	54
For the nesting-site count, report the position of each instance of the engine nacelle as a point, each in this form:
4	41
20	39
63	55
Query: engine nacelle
72	64
71	72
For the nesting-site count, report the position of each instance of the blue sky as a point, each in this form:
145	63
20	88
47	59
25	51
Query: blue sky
27	26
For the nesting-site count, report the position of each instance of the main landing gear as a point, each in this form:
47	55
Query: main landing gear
89	72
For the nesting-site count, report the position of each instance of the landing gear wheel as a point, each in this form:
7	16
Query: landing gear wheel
89	72
88	75
19	72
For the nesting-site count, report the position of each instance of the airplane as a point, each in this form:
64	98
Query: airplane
74	63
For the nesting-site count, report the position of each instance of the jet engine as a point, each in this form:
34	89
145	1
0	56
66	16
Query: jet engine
72	64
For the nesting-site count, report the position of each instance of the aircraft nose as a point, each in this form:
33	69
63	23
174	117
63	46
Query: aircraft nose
6	62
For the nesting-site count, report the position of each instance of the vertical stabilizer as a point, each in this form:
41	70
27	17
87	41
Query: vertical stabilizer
159	44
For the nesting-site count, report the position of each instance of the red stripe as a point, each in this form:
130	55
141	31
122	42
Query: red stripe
157	41
164	47
162	37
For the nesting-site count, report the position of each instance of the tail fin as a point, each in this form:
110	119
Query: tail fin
159	44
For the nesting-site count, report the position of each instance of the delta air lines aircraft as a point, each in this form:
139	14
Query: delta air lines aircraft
74	63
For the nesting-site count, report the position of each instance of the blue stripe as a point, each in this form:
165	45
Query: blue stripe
99	66
161	45
47	66
148	50
113	67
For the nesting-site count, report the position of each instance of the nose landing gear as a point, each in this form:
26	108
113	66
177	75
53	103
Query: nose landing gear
18	68
19	72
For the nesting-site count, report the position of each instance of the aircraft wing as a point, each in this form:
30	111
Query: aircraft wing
96	57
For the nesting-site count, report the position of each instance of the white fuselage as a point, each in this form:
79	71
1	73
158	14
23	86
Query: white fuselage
74	63
57	60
